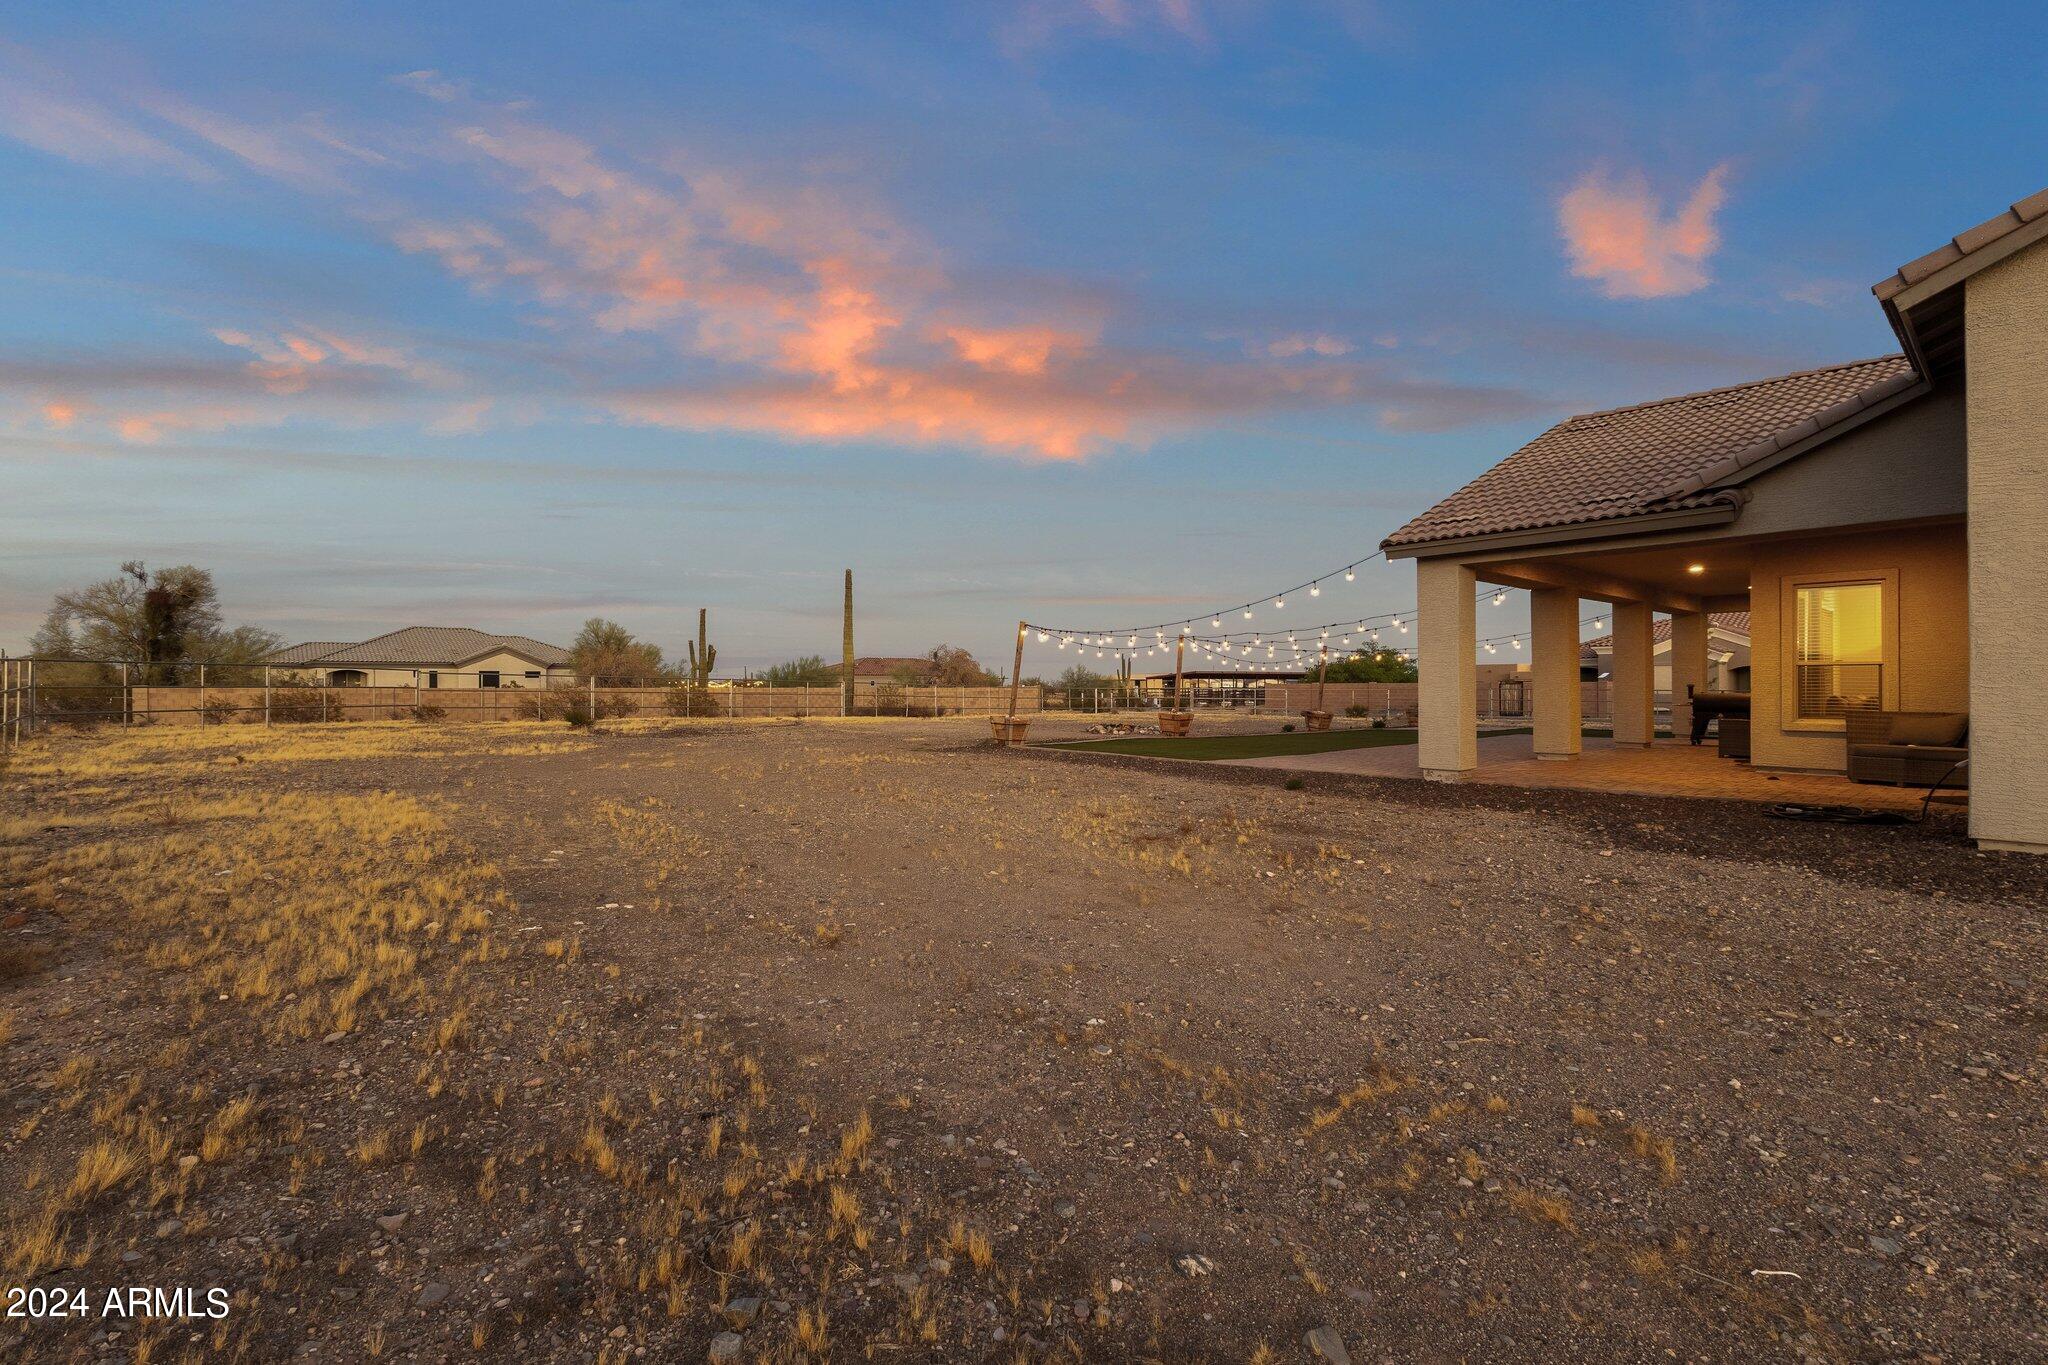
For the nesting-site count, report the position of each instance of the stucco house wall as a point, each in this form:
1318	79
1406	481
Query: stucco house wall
2006	312
1927	632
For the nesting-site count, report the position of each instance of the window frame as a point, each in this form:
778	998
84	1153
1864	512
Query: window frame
1887	583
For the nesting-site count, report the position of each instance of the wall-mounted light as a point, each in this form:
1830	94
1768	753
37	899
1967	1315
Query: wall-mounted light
1695	568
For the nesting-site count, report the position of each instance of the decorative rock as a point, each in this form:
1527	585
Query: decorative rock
1885	1246
1065	1208
391	1222
1325	1344
743	1310
905	1281
433	1294
1194	1265
724	1347
170	1227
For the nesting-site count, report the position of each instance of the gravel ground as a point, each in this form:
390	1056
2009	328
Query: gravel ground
1210	1064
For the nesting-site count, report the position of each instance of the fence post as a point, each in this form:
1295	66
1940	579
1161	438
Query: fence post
266	696
127	699
202	696
323	699
807	701
593	701
415	691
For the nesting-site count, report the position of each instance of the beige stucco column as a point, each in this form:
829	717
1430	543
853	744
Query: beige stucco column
1554	670
1447	637
2005	319
1635	678
1688	665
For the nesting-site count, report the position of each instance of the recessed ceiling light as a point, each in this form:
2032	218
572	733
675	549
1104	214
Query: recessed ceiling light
1695	568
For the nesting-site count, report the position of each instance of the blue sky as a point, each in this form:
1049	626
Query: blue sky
1091	311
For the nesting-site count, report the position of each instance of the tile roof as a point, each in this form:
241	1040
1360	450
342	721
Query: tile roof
881	665
415	645
1964	244
1654	457
1735	622
305	653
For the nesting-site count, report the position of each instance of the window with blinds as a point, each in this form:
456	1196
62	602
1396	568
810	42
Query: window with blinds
1839	637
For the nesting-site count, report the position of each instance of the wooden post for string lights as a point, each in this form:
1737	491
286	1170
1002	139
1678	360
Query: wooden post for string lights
1177	722
1009	729
1316	717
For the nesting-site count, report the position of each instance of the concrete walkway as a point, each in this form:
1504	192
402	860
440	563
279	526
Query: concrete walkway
1666	768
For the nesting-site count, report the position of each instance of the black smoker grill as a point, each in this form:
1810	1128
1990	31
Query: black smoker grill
1707	705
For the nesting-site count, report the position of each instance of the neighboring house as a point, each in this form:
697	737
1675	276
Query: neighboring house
1883	522
1727	654
882	670
431	657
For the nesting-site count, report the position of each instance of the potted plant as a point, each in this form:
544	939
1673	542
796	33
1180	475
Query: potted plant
1176	724
1313	721
1008	729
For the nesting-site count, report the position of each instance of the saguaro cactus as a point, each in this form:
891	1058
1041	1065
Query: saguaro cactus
846	669
702	654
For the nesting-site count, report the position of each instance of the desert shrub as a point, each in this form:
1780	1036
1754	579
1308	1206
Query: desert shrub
685	700
1295	784
611	707
294	705
577	714
1379	722
427	710
219	712
1288	728
1355	711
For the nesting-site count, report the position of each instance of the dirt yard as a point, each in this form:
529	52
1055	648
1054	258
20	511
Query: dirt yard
859	1040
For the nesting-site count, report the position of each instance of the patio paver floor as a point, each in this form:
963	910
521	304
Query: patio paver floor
1666	768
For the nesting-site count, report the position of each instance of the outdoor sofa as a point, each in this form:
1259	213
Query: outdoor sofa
1908	748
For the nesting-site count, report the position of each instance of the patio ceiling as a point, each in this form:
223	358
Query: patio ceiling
1713	575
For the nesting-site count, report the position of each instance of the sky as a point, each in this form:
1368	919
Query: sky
1090	312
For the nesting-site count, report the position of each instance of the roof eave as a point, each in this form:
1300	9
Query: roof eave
1716	514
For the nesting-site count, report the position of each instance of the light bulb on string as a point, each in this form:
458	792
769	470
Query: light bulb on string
1349	575
1280	603
1315	590
1247	613
1499	597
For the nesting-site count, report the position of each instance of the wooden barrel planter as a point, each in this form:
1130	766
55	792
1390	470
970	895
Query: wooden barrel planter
1313	721
1176	724
1008	729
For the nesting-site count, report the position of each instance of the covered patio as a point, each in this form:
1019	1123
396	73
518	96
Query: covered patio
1665	767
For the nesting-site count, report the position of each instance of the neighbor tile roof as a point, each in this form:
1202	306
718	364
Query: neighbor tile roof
881	666
305	653
1965	244
1653	457
415	645
1735	622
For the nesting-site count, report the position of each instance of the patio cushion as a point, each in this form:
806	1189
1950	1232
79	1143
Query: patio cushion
1937	730
1922	752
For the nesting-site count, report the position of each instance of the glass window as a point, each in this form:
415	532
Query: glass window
1839	636
488	678
433	678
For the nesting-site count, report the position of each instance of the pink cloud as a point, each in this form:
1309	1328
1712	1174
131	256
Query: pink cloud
1615	232
1308	343
60	415
1015	350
